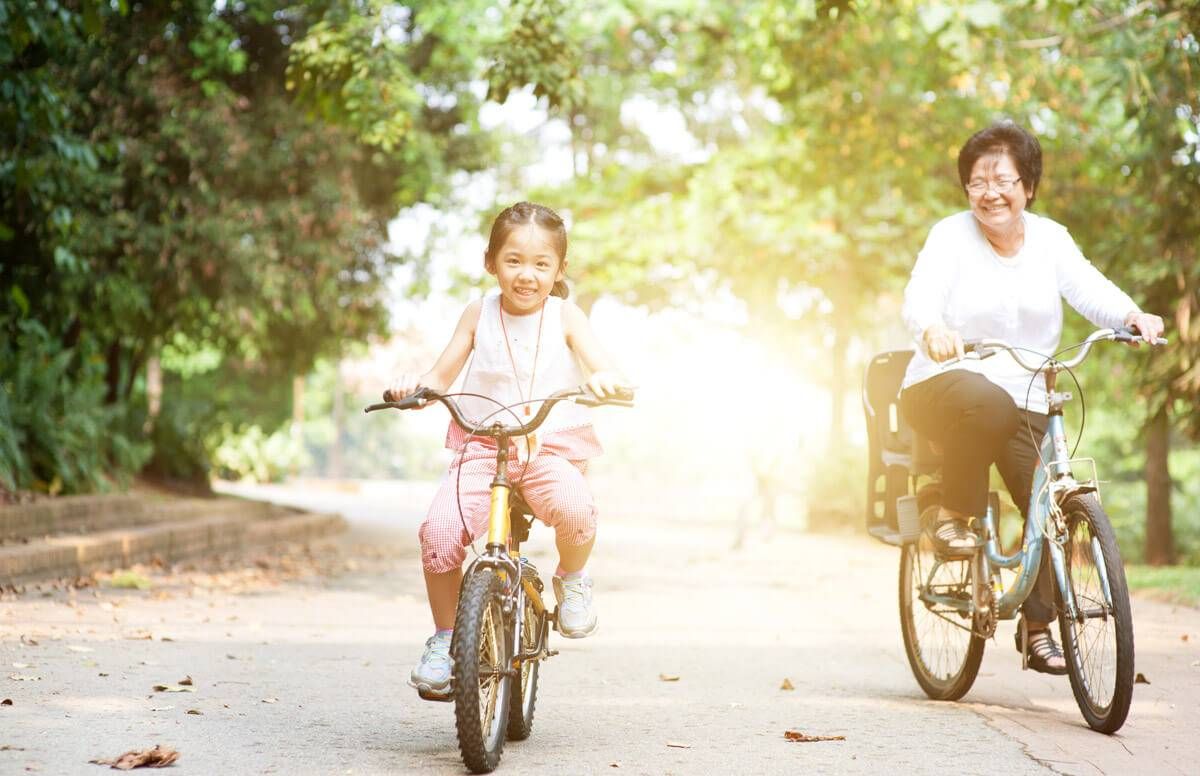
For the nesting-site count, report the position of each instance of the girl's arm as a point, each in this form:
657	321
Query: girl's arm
605	378
448	365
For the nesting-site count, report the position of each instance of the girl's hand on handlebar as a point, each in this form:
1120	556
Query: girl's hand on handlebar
942	343
606	383
404	386
1148	325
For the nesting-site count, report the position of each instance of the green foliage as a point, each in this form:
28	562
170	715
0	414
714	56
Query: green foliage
251	454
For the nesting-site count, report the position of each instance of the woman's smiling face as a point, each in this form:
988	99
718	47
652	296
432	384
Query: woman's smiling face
996	211
526	266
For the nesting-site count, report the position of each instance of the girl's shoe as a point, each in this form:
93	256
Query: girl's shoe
952	538
431	676
576	612
1043	653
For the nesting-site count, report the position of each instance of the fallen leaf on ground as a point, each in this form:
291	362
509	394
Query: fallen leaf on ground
162	708
129	580
6	702
186	681
29	641
75	648
173	688
194	711
1140	679
140	635
668	677
677	745
804	738
270	700
157	757
11	748
1184	637
24	678
614	765
103	674
787	684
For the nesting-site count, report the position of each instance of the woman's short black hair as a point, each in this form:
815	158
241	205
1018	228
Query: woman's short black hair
1004	136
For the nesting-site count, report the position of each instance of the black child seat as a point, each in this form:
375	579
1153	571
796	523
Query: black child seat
897	456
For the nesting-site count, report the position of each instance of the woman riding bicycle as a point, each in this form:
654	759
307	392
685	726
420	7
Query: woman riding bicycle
997	271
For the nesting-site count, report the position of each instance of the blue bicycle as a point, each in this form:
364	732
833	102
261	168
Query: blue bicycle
949	606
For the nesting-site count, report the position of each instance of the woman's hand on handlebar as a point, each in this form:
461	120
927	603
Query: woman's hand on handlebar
1149	326
942	343
607	383
406	385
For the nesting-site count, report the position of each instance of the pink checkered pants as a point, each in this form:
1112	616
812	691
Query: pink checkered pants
553	486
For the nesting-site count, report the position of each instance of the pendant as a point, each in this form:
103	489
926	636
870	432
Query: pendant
527	410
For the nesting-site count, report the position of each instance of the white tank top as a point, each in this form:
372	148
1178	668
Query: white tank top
491	371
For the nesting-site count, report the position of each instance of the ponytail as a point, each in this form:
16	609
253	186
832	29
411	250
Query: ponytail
560	289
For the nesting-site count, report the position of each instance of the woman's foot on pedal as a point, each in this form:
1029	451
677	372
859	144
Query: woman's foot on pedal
952	537
1044	654
576	612
431	676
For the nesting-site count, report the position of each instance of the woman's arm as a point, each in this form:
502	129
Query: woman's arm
448	365
605	377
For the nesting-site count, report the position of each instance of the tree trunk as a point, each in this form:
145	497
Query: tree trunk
1160	544
837	391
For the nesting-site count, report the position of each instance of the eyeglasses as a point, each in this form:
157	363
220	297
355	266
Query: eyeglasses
1002	186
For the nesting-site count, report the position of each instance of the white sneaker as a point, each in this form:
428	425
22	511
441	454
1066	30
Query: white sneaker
431	676
576	614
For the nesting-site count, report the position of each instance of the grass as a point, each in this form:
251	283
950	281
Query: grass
1177	584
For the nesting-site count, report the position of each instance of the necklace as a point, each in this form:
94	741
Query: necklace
537	350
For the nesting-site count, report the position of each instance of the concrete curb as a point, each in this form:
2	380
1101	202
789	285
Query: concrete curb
179	530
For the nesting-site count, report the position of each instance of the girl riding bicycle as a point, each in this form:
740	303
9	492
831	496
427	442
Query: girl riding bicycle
524	342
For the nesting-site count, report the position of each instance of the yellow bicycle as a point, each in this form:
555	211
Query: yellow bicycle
501	629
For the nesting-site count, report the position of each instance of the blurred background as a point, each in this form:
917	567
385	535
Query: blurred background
225	225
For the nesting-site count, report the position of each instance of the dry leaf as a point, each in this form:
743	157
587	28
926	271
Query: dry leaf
804	738
103	674
270	700
129	579
1140	679
24	678
677	745
139	635
173	688
6	702
668	677
186	681
157	757
1184	637
161	708
11	748
614	765
194	711
787	684
29	640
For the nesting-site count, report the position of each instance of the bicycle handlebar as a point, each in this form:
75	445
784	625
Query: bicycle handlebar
581	395
984	348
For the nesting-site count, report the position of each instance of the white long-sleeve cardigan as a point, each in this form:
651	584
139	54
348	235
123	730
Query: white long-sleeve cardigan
959	281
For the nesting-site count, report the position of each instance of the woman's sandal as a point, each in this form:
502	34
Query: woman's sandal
1040	651
953	538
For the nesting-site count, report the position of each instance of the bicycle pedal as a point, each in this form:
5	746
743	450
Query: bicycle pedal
429	696
551	652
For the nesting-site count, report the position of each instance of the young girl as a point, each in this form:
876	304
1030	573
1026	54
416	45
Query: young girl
527	341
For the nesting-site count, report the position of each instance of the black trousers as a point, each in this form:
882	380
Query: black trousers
977	424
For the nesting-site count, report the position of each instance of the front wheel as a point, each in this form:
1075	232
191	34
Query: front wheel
943	645
1098	642
481	671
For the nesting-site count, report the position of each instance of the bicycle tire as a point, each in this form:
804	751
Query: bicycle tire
523	698
1105	691
947	670
482	658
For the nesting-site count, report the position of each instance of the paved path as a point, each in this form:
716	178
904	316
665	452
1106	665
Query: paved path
299	663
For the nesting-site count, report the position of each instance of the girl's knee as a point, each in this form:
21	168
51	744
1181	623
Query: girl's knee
443	545
575	523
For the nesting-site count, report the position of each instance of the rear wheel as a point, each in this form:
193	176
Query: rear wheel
481	664
940	638
1098	643
524	693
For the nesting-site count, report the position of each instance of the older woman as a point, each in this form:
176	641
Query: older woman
997	271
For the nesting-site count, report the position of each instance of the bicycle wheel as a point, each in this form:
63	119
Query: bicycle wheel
1099	643
481	662
943	647
524	695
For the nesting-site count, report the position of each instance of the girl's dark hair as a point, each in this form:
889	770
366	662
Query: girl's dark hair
1004	136
522	214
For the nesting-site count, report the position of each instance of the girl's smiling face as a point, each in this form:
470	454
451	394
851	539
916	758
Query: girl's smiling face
527	267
